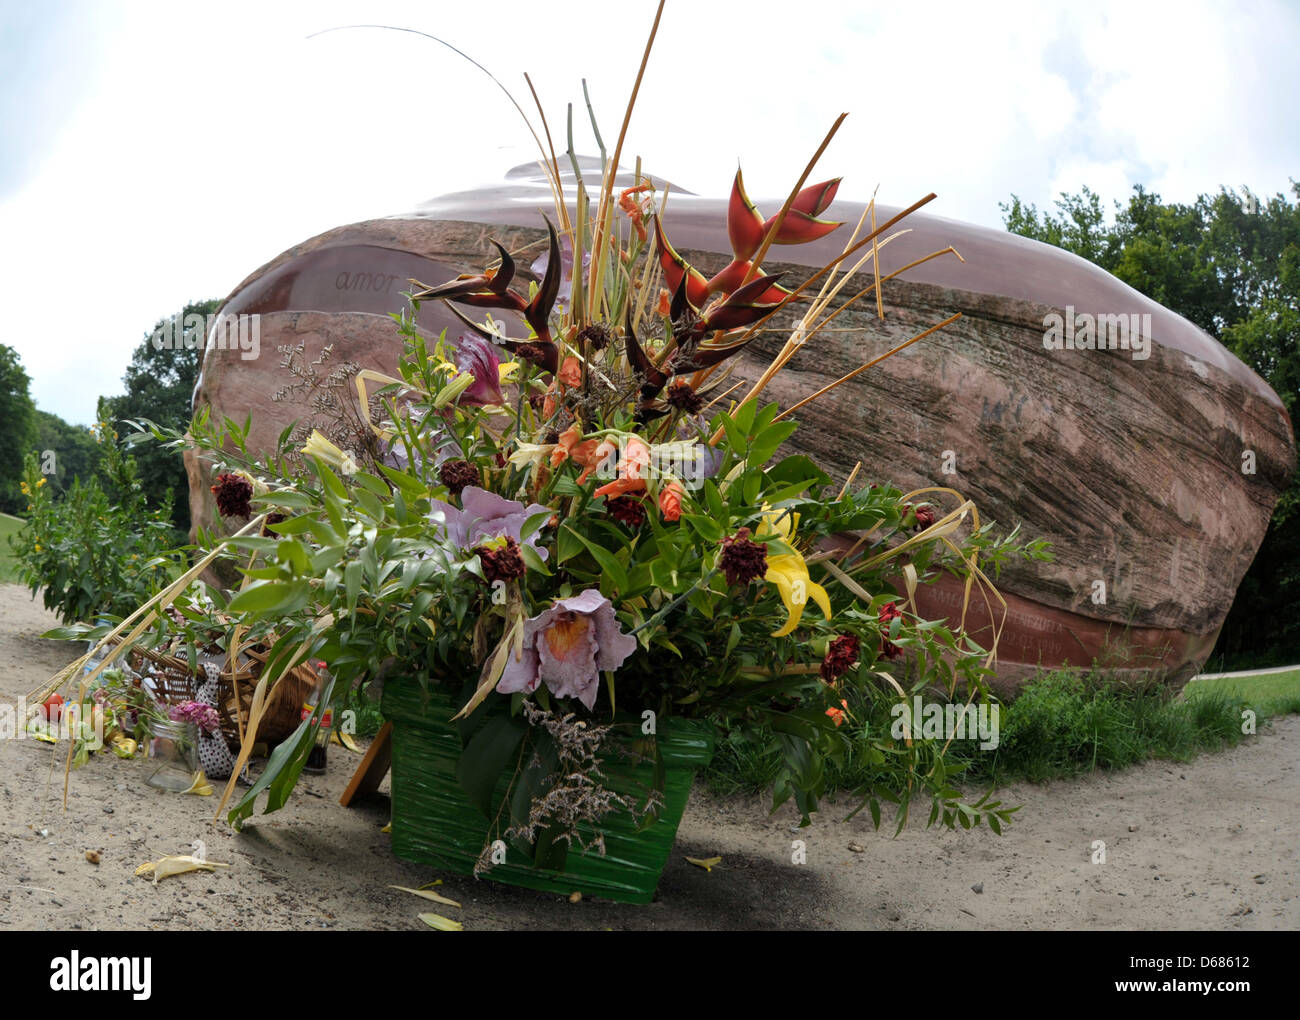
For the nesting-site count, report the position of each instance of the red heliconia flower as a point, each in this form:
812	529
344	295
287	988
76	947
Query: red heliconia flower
676	269
746	229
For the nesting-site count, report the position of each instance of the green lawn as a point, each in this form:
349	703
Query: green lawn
8	526
1267	693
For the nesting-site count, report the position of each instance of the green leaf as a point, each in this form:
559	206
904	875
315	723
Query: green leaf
293	526
613	570
534	524
407	483
567	544
707	528
287	498
769	439
283	767
735	435
487	756
291	551
796	469
371	504
744	416
329	479
713	500
532	560
270	597
371	484
352	584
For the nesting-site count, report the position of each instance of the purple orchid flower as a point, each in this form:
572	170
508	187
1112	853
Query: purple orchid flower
479	357
567	646
485	516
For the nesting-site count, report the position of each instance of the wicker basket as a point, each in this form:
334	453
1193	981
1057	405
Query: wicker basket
283	711
173	682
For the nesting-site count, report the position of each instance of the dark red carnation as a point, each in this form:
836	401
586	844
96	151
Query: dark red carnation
742	559
457	474
889	611
841	657
924	516
501	563
629	510
233	494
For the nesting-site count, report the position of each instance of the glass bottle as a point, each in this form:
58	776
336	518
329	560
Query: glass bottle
317	756
175	746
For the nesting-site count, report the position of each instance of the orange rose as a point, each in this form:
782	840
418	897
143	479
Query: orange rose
670	500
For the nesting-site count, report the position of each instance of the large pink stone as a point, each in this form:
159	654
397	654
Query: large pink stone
1135	469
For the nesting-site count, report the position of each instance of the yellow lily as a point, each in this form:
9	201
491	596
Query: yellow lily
318	446
789	572
530	454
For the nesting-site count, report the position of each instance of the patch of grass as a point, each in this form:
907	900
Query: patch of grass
1267	693
8	562
1061	725
1064	725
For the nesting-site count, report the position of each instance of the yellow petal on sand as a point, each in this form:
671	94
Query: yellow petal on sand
176	864
345	739
387	828
707	863
441	923
200	787
428	895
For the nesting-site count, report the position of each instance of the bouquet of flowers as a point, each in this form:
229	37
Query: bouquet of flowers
571	515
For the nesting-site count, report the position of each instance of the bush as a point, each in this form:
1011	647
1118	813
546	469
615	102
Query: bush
97	551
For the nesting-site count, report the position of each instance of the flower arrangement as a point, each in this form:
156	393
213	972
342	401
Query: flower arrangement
570	518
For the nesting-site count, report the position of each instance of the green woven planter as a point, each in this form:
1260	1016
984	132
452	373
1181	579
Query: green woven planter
434	822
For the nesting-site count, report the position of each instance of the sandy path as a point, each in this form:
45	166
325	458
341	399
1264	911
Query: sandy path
1209	845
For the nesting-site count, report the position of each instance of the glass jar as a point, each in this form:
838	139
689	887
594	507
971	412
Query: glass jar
175	747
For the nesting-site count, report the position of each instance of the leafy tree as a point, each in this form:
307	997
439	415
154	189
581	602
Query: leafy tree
75	452
17	429
159	386
1230	264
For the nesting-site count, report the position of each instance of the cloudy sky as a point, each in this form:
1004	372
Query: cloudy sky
155	154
